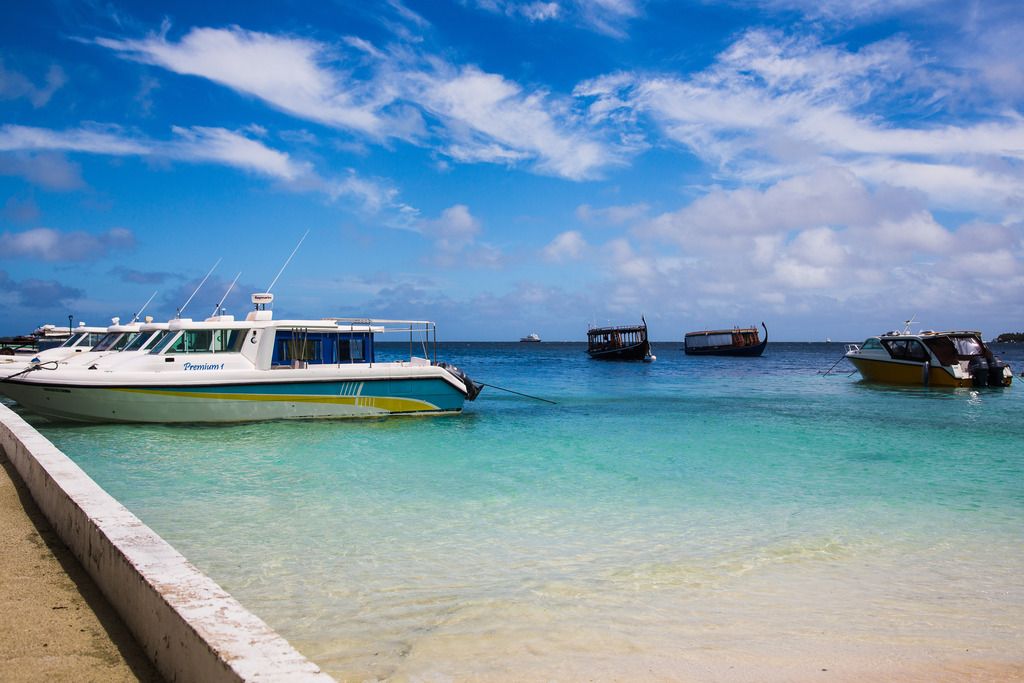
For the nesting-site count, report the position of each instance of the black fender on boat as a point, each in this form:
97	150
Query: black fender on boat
472	388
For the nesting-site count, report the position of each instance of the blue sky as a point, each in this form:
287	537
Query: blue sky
506	167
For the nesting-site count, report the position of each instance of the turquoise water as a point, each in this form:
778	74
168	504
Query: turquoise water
696	517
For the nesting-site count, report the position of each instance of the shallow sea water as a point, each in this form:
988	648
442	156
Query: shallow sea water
692	519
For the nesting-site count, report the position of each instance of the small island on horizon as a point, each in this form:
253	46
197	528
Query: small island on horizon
1010	338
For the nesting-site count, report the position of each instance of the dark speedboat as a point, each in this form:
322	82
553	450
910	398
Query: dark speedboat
626	342
739	341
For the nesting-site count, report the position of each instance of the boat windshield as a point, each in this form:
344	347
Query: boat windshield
967	346
91	339
871	343
145	339
72	340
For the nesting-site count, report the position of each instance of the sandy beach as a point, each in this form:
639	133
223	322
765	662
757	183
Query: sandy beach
56	625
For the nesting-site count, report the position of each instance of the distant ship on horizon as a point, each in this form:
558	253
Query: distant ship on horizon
532	337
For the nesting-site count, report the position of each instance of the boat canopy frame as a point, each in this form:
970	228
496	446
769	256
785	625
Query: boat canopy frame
428	328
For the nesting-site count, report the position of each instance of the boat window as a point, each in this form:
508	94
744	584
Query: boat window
165	342
145	339
108	341
92	338
207	341
871	343
350	350
700	341
906	349
967	346
228	340
72	340
943	348
300	348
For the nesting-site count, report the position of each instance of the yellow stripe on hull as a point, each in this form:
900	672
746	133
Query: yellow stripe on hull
386	403
891	372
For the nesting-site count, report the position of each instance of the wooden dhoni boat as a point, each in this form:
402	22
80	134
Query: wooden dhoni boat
624	342
739	341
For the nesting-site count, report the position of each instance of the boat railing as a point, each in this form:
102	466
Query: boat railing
852	348
426	328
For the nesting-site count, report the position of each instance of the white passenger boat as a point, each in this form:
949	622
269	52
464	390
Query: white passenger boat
81	341
940	359
223	370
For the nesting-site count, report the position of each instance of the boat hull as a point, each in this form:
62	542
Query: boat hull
635	352
237	402
907	373
748	351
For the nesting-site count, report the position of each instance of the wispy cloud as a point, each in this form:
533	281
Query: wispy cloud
774	105
609	17
290	73
566	246
14	85
490	118
478	116
47	244
197	144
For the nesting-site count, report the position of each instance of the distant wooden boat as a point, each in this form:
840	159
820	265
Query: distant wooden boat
739	341
626	342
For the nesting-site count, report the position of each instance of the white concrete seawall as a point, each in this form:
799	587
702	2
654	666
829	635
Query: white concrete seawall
189	626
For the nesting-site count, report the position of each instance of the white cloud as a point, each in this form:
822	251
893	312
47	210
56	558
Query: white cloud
566	246
608	17
490	118
47	244
454	234
774	105
482	117
197	144
292	74
231	149
111	140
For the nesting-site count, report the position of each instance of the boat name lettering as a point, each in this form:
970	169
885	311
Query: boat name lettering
203	366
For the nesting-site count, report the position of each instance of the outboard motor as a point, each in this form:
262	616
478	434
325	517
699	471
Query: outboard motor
978	367
472	388
996	376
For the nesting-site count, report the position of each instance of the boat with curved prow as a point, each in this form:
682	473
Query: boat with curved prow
928	358
739	341
623	342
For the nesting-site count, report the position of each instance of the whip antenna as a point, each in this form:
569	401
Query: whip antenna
287	262
220	303
182	307
136	316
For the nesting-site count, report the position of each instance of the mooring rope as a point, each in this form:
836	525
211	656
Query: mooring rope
517	393
37	366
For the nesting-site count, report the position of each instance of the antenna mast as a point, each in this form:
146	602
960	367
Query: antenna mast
136	316
287	262
220	303
182	307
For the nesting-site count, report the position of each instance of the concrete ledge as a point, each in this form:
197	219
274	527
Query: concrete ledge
189	626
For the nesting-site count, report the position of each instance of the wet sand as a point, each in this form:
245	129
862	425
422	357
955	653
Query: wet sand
55	625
